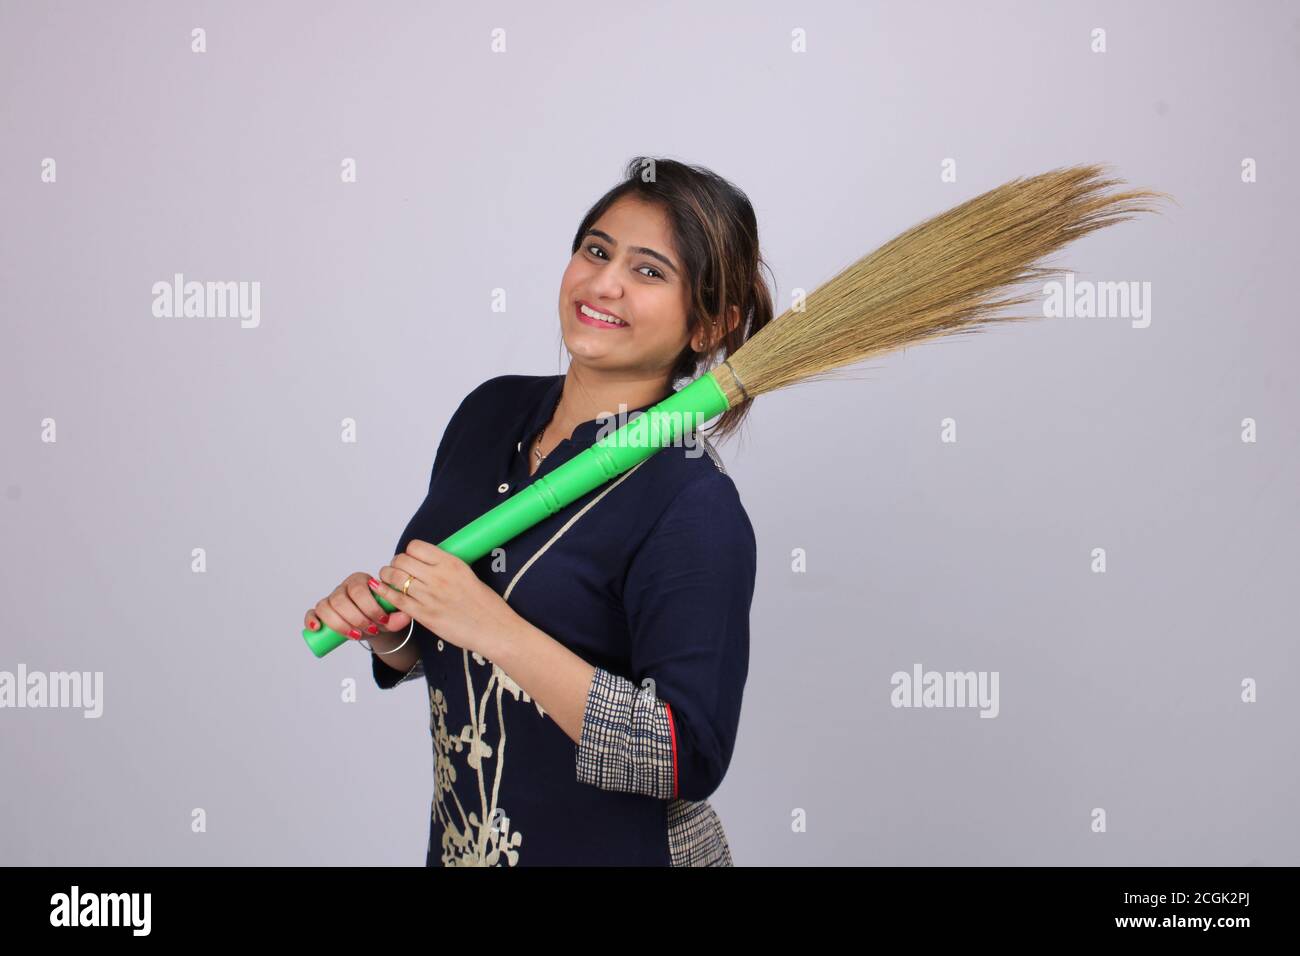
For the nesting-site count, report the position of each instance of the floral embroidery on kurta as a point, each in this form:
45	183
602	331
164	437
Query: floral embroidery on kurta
480	835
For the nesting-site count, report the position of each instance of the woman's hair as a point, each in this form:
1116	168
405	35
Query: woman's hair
716	234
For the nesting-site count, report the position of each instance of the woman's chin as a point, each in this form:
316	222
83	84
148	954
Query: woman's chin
590	348
600	362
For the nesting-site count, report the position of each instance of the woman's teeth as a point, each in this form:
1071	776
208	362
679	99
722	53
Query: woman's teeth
600	317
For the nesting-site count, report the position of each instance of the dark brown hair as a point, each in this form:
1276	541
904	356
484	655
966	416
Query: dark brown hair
716	234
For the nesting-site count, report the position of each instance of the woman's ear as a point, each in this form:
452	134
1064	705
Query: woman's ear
735	318
699	339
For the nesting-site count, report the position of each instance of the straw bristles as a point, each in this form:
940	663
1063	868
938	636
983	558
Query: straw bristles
941	277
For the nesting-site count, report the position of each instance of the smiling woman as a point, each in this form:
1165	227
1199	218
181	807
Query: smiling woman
672	255
607	645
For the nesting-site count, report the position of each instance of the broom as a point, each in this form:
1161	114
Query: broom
941	277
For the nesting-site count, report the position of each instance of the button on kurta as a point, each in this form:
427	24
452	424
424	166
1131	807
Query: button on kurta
503	488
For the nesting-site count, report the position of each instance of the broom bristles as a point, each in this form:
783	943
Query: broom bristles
947	275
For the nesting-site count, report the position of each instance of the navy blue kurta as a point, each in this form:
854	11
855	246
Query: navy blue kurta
649	578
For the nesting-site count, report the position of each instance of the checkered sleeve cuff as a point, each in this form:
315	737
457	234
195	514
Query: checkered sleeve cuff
628	740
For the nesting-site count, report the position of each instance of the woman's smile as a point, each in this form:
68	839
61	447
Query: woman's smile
588	316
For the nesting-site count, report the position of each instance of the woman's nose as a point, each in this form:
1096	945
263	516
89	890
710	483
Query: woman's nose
605	286
607	283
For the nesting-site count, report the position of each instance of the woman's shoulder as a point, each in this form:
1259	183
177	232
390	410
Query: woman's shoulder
692	459
500	399
504	390
692	482
692	516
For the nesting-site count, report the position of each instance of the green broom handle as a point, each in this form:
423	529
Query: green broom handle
611	456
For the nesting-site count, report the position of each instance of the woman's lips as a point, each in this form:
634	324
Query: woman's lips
588	320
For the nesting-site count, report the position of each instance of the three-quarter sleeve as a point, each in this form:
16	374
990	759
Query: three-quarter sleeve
668	729
388	677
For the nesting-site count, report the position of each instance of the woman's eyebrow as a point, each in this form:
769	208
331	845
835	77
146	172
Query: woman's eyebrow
635	249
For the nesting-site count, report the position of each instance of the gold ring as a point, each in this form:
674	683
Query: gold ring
406	585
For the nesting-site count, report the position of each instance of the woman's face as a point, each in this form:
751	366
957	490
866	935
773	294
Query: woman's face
626	267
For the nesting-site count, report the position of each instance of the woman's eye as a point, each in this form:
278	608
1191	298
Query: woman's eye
594	249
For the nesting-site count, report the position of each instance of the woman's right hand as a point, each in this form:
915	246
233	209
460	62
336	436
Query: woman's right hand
351	610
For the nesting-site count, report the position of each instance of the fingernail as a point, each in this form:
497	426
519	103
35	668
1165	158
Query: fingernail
376	585
354	633
372	628
312	625
384	619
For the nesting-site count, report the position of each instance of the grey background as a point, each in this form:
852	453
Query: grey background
1119	691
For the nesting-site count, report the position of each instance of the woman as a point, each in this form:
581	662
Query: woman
585	680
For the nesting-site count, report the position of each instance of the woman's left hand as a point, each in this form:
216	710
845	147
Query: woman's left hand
448	598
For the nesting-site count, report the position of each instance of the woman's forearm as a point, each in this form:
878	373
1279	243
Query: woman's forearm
553	675
402	660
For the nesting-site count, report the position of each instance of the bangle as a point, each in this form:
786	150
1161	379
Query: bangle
366	644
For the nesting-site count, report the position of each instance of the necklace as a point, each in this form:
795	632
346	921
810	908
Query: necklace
537	446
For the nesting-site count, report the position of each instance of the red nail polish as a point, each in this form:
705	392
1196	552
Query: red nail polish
372	628
384	619
354	633
313	625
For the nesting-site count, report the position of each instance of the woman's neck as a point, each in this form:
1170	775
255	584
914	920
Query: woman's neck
586	396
